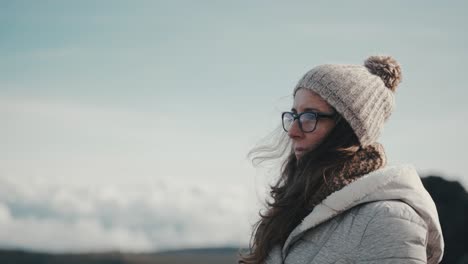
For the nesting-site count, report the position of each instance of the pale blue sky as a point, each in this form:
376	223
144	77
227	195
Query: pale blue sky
99	93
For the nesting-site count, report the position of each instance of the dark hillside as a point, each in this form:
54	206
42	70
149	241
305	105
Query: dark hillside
451	200
208	256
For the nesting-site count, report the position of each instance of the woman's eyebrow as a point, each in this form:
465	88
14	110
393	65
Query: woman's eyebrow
311	110
306	110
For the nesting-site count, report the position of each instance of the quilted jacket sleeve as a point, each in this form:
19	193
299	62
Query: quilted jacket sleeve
395	234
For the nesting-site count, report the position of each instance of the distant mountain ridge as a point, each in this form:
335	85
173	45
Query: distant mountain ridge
215	250
184	256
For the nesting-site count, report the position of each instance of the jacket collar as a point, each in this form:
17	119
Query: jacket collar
388	183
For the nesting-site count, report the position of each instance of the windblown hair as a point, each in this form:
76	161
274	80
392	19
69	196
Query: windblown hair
292	196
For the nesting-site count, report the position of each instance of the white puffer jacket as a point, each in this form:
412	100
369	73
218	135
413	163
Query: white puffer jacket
385	216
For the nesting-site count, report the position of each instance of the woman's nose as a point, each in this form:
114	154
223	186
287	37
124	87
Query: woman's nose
294	131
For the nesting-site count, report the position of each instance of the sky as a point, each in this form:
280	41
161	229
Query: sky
125	125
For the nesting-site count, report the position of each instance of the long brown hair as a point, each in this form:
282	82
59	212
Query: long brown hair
295	193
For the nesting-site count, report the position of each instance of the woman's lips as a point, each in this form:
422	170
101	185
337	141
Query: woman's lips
299	150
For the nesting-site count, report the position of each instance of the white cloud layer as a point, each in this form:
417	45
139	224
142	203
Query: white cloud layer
49	217
82	178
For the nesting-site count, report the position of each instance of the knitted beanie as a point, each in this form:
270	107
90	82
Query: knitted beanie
362	94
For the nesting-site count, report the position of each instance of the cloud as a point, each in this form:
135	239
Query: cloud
174	214
75	177
55	235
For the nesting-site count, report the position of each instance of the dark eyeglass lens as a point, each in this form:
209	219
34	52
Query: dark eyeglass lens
288	120
308	121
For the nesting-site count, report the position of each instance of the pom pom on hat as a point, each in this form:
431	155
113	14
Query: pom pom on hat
387	68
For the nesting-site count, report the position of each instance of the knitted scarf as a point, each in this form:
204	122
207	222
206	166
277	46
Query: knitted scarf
366	160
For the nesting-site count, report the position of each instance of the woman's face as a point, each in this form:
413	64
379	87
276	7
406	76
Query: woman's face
304	101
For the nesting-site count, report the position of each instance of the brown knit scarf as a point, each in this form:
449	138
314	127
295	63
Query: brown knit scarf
365	160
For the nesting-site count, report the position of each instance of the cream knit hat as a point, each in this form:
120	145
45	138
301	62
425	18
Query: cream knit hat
362	94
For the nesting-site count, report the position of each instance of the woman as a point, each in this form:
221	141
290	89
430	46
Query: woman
336	200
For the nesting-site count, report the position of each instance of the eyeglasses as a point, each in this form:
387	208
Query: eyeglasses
307	120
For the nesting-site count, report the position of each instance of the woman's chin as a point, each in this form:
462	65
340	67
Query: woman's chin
302	152
299	154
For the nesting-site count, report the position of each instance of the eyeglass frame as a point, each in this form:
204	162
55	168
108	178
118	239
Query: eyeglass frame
297	117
